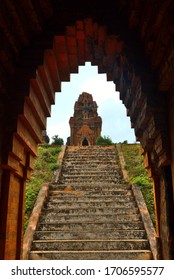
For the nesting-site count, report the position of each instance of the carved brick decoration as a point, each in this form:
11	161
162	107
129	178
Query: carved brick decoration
85	124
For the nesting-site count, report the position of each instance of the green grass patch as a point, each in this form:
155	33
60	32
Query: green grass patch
44	167
138	174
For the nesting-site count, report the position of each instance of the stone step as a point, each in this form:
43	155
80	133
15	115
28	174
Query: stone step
92	156
87	162
91	173
96	172
118	193
98	164
99	154
104	177
82	204
92	255
86	166
88	180
92	210
93	170
81	177
88	226
90	235
49	217
81	198
92	245
99	158
86	186
92	151
94	159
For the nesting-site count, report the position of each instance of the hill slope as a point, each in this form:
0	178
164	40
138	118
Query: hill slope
138	174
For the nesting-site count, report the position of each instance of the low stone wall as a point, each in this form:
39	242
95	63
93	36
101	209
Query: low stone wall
33	221
59	162
151	234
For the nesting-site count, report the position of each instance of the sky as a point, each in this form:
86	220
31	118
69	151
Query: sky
115	123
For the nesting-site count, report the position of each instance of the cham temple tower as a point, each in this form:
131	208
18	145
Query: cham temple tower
85	125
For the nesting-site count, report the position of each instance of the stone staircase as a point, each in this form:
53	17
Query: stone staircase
90	212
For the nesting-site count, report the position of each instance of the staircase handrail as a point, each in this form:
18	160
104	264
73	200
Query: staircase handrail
148	225
34	219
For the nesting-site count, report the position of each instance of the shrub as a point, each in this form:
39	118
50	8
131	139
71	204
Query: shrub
44	167
57	141
104	141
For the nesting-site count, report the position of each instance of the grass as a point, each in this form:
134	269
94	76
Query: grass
138	174
45	165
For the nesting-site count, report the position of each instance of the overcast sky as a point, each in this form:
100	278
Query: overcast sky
115	123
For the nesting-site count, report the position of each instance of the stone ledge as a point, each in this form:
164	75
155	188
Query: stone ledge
59	162
33	221
122	163
151	234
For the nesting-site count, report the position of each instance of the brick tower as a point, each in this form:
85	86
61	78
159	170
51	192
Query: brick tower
85	125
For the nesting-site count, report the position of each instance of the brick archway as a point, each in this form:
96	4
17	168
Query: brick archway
85	41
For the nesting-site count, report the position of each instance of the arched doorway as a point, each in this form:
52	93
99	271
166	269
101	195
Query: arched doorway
31	103
85	142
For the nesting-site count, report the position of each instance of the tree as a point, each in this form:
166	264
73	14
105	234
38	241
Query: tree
104	141
57	141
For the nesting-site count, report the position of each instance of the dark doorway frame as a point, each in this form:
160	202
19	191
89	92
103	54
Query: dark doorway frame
85	142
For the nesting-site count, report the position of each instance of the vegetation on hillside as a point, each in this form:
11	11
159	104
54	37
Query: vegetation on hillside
138	174
45	165
56	140
104	141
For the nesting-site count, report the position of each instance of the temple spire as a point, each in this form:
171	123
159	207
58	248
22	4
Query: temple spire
85	125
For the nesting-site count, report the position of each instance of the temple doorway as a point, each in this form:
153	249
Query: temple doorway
85	142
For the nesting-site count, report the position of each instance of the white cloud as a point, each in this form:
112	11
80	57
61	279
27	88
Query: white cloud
100	89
